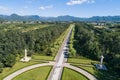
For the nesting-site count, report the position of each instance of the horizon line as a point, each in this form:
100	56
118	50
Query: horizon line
60	15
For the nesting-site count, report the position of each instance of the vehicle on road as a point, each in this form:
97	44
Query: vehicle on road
66	54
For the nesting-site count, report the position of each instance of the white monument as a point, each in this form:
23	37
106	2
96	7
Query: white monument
25	58
101	65
101	61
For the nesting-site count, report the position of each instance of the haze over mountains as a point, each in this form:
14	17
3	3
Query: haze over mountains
15	17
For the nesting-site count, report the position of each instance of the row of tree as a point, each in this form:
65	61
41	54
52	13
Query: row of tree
13	42
86	42
92	42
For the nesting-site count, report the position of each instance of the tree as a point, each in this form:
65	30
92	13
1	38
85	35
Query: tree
14	38
1	67
10	60
49	52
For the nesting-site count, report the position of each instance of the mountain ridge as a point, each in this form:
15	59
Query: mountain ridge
16	17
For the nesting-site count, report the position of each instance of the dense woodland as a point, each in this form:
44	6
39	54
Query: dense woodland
89	41
13	41
93	42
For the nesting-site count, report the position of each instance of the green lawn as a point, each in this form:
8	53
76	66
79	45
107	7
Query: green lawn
100	74
69	74
34	27
17	66
23	27
82	60
89	69
87	64
42	57
40	73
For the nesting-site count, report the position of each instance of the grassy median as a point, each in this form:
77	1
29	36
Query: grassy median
17	66
69	74
40	73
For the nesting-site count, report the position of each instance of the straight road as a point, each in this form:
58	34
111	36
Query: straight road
60	59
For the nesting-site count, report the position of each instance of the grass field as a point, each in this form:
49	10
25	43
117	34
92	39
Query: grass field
88	65
17	66
40	73
100	74
34	27
81	60
23	27
42	57
69	74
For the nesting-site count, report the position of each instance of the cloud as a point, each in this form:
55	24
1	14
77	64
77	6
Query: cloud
4	9
45	7
30	1
25	7
22	12
74	2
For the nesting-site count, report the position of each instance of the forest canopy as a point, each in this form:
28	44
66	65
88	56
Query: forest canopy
14	38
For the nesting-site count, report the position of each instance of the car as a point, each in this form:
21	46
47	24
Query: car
66	50
66	55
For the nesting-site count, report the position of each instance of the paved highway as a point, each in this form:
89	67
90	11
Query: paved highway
60	59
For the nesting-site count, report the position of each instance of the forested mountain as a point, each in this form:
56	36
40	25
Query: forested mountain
15	17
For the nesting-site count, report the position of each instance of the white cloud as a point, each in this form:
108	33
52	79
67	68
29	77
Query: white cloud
4	9
25	7
30	1
91	1
22	12
45	7
74	2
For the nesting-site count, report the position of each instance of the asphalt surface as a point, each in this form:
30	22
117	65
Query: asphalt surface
60	59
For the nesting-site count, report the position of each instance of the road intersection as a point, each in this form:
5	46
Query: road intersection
58	65
60	59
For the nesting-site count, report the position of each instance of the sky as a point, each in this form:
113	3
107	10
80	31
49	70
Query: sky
53	8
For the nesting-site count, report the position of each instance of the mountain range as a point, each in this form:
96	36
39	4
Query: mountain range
16	17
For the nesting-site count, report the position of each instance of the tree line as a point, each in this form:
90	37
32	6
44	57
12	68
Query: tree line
93	42
13	42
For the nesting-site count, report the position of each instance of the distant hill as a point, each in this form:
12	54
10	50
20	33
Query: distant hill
15	17
105	18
